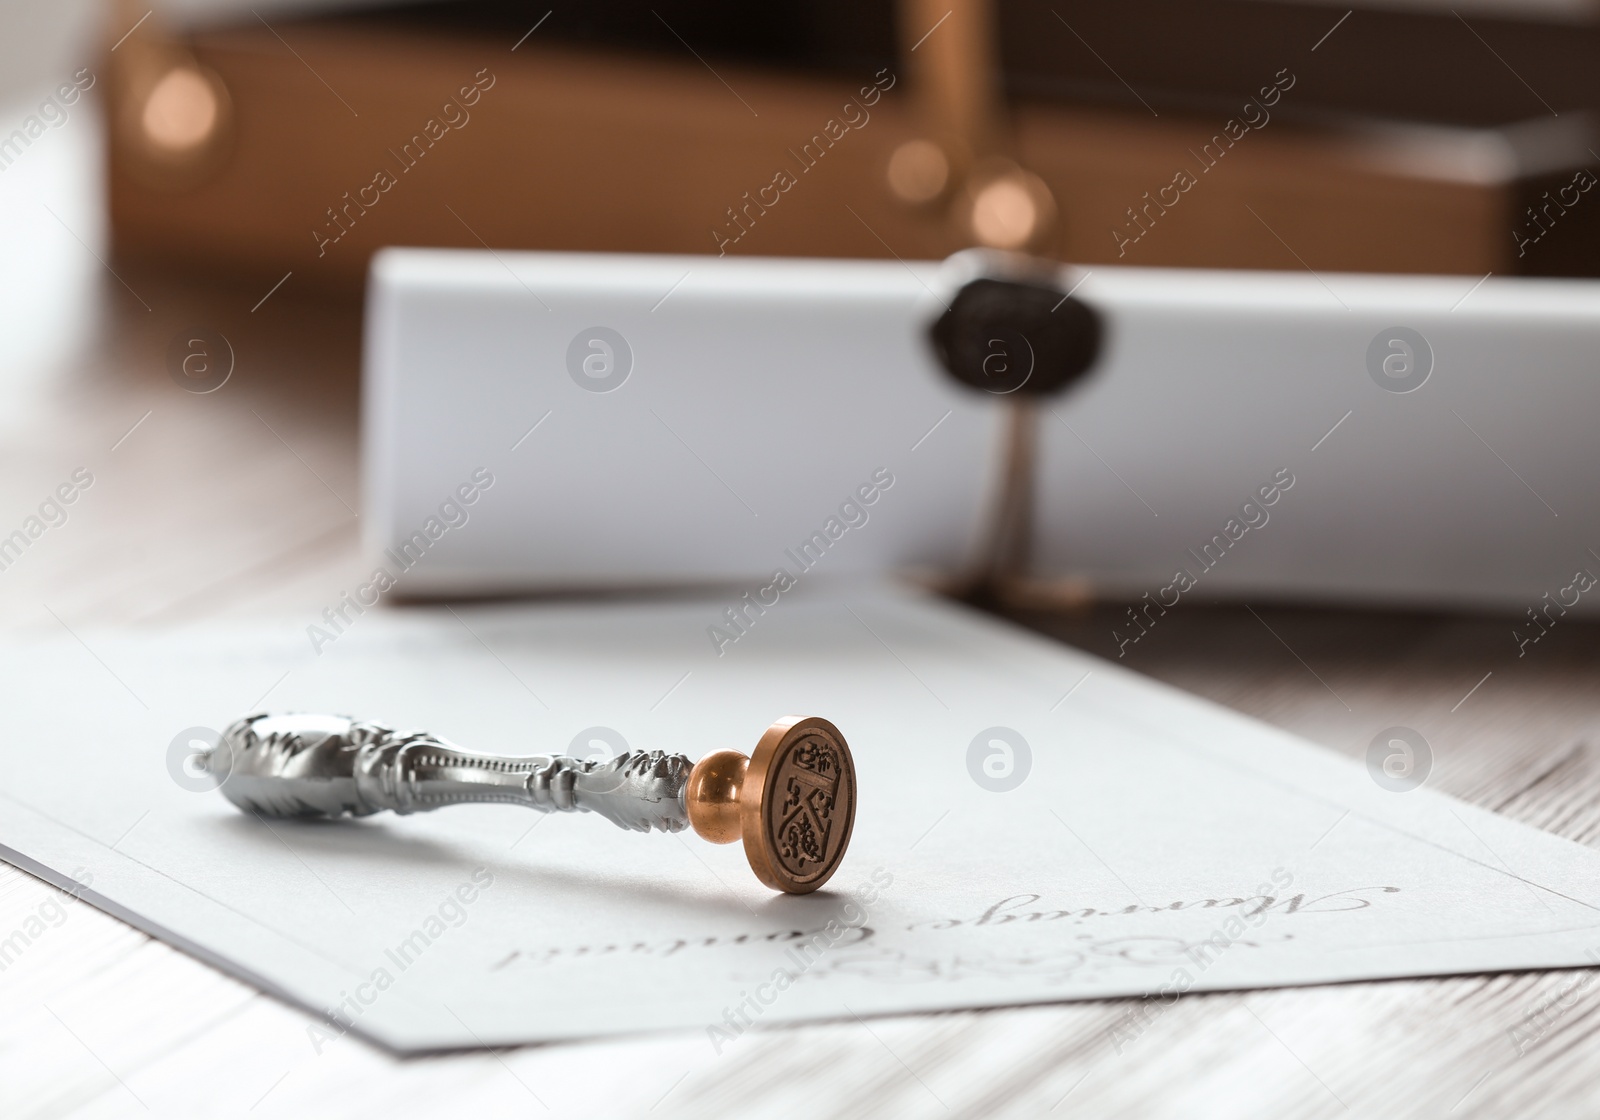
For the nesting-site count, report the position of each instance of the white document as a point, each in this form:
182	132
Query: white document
1437	430
659	420
1154	844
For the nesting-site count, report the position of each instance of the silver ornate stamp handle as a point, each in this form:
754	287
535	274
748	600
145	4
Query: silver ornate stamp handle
792	802
304	765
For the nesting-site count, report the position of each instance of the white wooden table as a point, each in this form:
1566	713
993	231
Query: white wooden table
243	502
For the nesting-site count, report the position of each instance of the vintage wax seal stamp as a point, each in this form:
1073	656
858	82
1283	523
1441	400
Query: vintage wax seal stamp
792	802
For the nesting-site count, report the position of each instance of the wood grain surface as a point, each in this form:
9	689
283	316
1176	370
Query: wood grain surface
244	501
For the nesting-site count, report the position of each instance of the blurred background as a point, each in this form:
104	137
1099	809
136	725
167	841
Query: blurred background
250	136
229	166
1409	139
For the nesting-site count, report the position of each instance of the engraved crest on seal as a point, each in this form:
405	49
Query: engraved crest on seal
808	781
808	776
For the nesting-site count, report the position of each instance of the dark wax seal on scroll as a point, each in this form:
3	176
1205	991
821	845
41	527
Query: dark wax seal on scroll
1007	337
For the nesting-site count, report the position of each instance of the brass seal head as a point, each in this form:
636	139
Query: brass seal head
792	802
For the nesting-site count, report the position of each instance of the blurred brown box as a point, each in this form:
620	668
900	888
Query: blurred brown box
344	136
